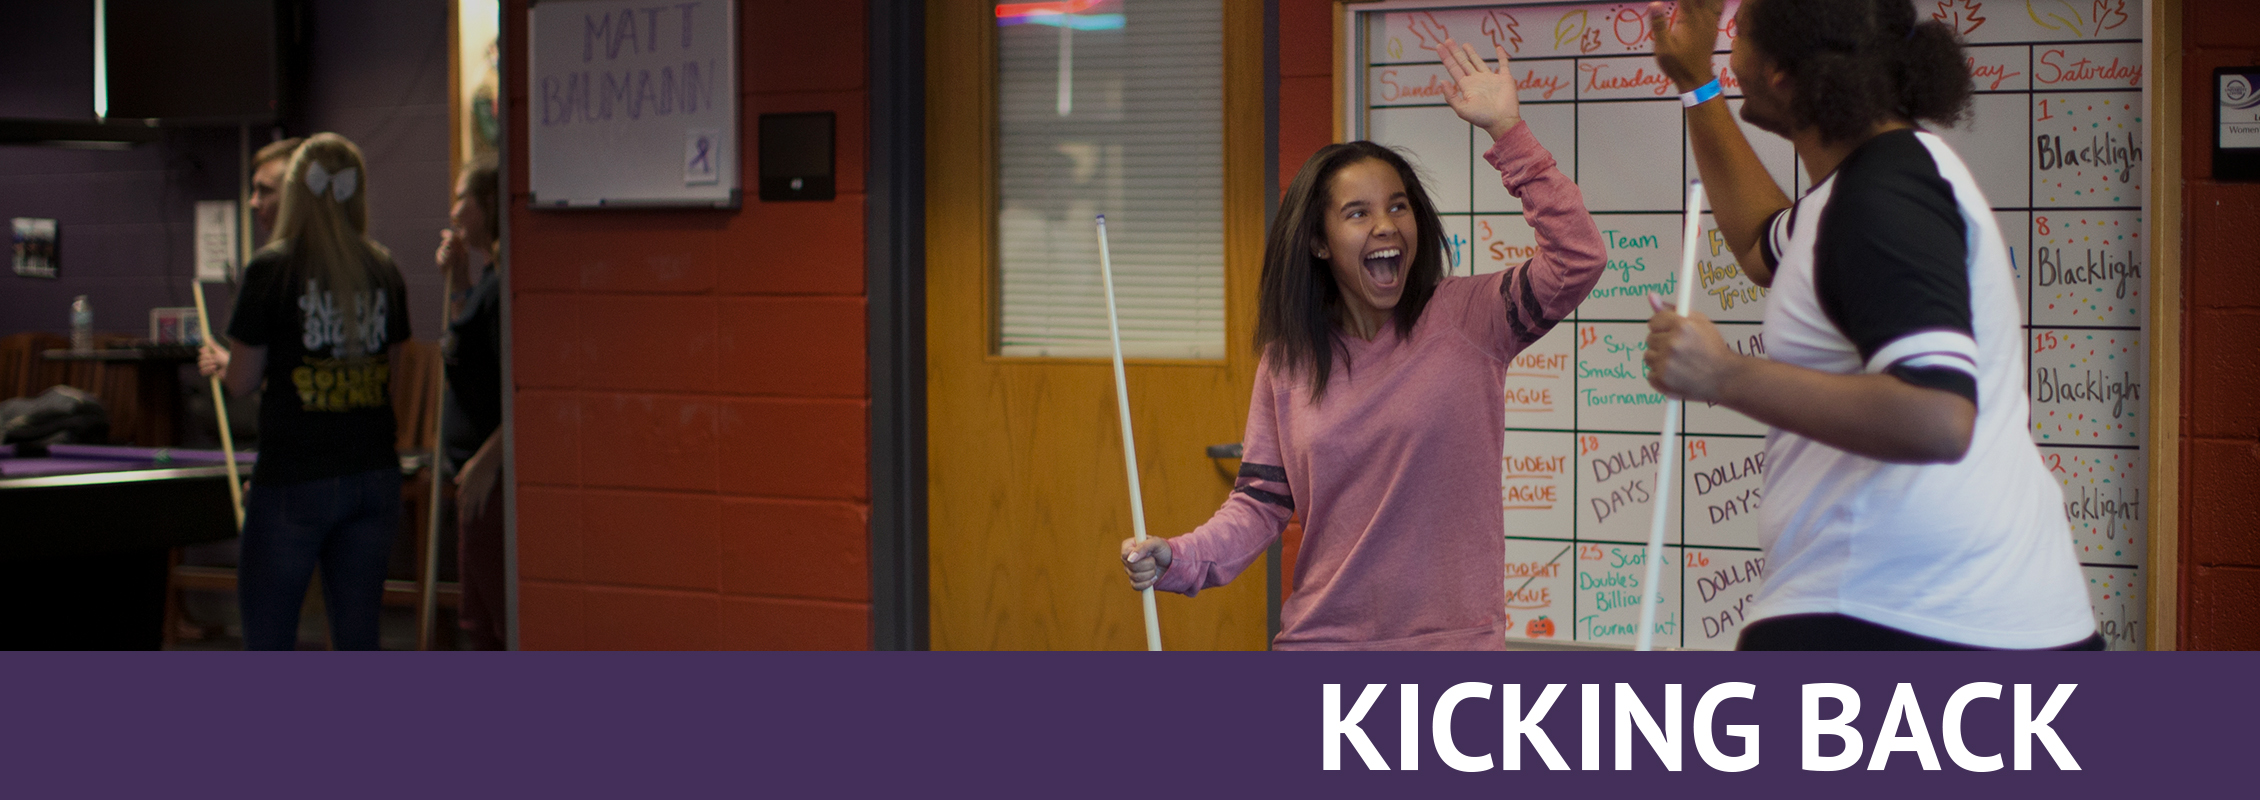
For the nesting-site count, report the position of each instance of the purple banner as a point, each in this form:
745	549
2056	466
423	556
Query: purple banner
1124	724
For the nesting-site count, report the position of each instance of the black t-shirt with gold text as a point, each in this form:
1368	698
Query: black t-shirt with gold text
326	409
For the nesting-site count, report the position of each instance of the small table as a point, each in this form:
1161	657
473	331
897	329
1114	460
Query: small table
87	531
156	381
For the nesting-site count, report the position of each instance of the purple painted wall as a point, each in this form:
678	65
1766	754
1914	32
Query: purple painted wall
374	71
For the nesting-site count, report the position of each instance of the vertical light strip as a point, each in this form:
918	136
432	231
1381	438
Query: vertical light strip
1066	68
101	64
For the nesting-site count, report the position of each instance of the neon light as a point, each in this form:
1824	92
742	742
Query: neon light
1027	9
1059	14
1080	22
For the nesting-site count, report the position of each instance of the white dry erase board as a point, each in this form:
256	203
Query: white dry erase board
2052	79
633	103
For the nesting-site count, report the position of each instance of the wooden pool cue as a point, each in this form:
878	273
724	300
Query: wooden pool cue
427	605
1666	456
220	408
1129	444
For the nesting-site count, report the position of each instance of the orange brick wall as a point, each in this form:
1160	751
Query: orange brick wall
1306	83
1306	123
2220	341
691	403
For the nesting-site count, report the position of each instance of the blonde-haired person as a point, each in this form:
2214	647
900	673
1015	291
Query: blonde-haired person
319	319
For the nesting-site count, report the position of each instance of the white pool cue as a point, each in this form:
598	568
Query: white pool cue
220	408
1129	444
427	604
1666	456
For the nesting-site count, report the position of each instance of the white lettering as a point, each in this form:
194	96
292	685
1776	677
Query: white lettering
1336	727
1917	740
1516	727
1839	727
2026	727
1664	741
1707	747
1442	725
1954	747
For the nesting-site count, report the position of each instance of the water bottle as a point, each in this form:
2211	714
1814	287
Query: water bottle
82	325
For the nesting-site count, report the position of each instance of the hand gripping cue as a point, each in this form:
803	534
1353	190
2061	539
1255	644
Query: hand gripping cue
1129	444
1665	455
220	408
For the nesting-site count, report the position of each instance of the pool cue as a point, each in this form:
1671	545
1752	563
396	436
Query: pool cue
427	604
1129	444
1665	456
220	408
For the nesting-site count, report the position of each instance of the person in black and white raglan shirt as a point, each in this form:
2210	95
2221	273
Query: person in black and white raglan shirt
1905	504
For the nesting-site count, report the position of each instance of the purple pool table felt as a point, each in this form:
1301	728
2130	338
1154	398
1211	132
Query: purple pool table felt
76	459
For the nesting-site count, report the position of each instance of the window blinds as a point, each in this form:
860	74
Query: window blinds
1116	108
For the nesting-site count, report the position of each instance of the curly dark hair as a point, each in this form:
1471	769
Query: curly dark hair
1856	63
1295	322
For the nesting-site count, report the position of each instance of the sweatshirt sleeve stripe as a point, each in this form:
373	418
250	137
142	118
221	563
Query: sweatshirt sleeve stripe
1263	472
1280	500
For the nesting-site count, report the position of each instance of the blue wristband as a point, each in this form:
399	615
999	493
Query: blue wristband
1701	94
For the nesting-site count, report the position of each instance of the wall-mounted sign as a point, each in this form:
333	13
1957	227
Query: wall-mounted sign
634	104
2236	123
37	248
215	240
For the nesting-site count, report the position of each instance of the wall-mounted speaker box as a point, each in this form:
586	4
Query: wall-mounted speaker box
796	156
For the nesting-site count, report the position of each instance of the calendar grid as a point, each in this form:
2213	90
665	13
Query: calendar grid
1582	431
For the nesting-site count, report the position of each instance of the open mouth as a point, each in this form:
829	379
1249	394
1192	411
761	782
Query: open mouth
1385	266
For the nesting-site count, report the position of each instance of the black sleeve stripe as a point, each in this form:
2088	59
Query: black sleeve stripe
1773	241
1263	472
1525	314
1935	359
1280	500
1940	378
1892	256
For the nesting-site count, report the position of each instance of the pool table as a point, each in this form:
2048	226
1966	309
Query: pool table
86	533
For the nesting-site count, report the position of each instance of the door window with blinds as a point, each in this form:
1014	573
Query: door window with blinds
1111	107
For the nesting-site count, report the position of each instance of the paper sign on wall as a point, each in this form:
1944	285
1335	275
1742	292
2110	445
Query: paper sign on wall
215	240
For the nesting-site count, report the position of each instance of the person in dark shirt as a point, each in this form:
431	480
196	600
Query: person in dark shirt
318	321
474	398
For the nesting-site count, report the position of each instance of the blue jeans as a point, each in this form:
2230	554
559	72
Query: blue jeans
346	525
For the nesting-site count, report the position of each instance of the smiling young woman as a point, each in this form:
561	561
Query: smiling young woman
1361	338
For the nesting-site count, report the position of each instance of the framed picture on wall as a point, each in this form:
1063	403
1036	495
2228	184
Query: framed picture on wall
473	116
174	325
35	249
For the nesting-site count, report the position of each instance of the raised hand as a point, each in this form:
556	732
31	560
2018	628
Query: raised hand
1685	40
1479	94
454	260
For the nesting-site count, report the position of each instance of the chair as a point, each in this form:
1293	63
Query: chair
142	397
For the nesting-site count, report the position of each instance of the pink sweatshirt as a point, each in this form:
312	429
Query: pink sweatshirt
1396	472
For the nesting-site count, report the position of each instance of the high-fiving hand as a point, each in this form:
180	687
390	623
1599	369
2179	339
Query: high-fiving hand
1685	38
1483	96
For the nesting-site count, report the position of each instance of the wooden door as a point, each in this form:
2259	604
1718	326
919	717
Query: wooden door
1027	498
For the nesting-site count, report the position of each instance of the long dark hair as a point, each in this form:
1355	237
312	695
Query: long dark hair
485	176
1300	299
1856	63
